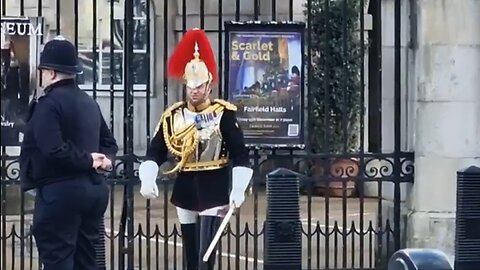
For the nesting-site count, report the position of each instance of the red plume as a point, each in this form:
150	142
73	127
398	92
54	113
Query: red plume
183	54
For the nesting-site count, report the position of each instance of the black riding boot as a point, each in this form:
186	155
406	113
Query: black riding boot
190	246
208	227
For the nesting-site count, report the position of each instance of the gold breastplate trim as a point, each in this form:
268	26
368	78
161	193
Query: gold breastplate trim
205	165
183	142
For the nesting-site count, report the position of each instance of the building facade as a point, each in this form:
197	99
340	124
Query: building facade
439	78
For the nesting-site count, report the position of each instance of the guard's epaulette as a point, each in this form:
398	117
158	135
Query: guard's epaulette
226	104
170	109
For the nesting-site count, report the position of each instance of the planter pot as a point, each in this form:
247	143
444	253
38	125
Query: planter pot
341	170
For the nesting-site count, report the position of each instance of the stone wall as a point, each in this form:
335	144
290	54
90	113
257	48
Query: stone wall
447	130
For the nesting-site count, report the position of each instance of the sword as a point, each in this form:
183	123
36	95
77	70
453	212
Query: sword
219	232
241	177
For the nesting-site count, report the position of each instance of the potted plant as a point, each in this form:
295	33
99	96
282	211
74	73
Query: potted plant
335	91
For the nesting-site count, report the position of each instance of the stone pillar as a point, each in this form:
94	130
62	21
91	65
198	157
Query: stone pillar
447	132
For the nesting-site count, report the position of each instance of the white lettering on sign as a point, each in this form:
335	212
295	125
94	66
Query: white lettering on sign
21	29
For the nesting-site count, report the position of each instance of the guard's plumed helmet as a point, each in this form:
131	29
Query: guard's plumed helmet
193	60
60	54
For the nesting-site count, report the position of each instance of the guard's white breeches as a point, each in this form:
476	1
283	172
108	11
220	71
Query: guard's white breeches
188	216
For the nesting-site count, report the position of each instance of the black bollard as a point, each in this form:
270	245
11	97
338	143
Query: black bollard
467	229
283	229
419	259
100	247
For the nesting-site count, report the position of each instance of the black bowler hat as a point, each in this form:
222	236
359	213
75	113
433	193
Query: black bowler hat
60	55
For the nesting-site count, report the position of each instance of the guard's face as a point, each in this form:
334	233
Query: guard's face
198	94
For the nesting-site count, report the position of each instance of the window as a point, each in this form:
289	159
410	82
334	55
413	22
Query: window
108	63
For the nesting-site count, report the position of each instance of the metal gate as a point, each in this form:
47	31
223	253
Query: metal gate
351	193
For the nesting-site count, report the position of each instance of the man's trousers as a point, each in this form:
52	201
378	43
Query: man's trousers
66	223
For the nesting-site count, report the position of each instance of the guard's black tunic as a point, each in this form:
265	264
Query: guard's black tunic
201	190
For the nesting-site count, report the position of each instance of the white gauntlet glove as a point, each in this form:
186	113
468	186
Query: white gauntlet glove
241	177
147	173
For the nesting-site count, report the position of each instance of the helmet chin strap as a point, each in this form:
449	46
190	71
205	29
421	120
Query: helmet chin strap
206	96
208	90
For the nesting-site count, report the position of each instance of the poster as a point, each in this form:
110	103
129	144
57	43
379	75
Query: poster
265	77
19	54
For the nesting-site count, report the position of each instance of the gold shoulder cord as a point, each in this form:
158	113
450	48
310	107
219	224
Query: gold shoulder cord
167	113
183	143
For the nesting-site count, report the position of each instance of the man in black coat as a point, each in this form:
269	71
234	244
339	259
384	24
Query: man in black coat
204	137
66	145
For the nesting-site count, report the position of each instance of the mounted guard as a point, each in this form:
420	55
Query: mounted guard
203	136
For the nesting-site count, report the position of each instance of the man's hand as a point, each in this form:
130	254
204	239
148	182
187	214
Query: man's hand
241	177
106	165
147	172
149	190
237	197
97	160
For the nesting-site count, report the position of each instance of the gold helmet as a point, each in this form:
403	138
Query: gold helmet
193	60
